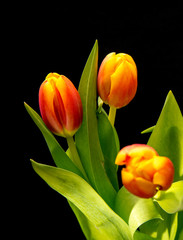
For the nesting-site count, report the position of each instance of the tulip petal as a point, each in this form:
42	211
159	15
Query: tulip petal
142	150
46	96
145	169
121	158
72	104
117	79
165	172
60	105
163	179
135	151
59	109
129	182
138	186
104	80
146	189
123	84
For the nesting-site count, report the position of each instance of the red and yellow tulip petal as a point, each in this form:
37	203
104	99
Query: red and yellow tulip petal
142	150
130	152
46	96
163	178
164	172
123	85
128	181
117	80
106	69
145	172
72	105
60	105
146	189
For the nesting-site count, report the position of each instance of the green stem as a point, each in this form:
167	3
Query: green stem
112	115
74	155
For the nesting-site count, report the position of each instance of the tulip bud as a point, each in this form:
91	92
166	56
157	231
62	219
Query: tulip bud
60	105
145	171
117	79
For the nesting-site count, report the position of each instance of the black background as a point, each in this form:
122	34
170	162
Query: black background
59	39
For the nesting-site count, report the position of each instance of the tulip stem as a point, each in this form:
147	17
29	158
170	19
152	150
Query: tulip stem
112	115
74	155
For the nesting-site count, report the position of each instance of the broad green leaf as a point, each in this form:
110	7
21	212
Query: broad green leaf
85	198
143	211
142	236
89	229
179	235
171	200
168	228
59	156
163	230
151	228
167	136
134	210
87	139
110	149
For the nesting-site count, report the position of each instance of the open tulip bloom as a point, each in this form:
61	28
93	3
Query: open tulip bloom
149	205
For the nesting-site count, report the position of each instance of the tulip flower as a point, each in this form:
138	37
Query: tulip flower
61	110
145	172
117	80
60	105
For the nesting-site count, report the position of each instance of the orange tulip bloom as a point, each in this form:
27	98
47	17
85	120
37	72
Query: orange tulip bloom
60	105
145	171
117	79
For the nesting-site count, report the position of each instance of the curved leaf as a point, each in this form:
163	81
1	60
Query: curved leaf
141	236
171	200
87	138
59	156
134	210
89	229
162	230
85	198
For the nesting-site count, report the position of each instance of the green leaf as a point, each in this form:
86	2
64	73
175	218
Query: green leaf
85	198
89	229
168	228
141	236
148	130
87	139
134	210
59	156
163	230
167	136
110	147
179	235
171	200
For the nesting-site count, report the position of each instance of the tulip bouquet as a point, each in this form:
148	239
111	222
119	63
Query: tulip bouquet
149	205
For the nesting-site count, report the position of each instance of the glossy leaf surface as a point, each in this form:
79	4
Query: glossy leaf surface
134	210
85	198
60	158
167	136
87	138
161	230
171	200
